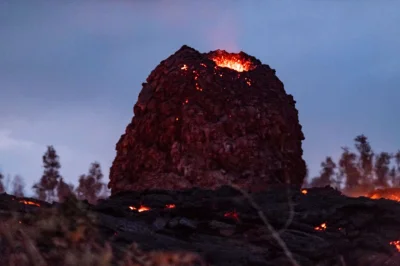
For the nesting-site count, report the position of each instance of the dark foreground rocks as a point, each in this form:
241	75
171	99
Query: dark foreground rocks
209	119
221	227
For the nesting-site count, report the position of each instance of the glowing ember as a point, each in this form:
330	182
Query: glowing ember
304	191
184	67
27	202
170	206
196	77
232	214
388	193
140	209
248	81
390	197
322	227
232	61
396	244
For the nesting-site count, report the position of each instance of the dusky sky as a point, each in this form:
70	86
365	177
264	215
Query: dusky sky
71	71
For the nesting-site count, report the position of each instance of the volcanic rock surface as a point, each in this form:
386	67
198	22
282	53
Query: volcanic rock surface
319	227
208	119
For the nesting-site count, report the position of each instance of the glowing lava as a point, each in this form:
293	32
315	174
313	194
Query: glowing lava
232	61
143	208
387	193
322	227
26	202
396	244
140	209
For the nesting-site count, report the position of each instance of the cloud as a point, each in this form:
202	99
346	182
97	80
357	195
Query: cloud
7	142
70	71
80	136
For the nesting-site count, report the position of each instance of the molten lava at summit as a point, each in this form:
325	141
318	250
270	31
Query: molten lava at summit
204	128
232	61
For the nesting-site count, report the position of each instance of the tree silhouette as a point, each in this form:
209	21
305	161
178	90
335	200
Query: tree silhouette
365	161
348	169
362	171
382	169
90	185
395	171
327	174
45	189
18	186
2	188
64	190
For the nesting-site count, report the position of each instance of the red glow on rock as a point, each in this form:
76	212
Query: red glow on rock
27	202
233	214
142	208
232	61
322	227
396	244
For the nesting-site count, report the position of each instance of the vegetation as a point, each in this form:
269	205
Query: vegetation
66	235
357	170
52	187
361	170
28	239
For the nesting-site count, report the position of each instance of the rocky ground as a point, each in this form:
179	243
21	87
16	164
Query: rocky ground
316	226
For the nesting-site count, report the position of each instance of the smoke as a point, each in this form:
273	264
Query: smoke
225	33
7	142
216	22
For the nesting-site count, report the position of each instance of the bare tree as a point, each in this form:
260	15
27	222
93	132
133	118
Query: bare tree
64	190
327	174
382	169
395	172
18	186
2	188
348	169
91	185
362	171
365	161
45	189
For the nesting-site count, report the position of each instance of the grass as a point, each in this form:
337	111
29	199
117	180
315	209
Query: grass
68	236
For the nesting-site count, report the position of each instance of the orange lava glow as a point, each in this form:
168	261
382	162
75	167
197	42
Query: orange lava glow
196	77
390	197
322	227
27	202
304	191
142	208
396	244
388	193
232	61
